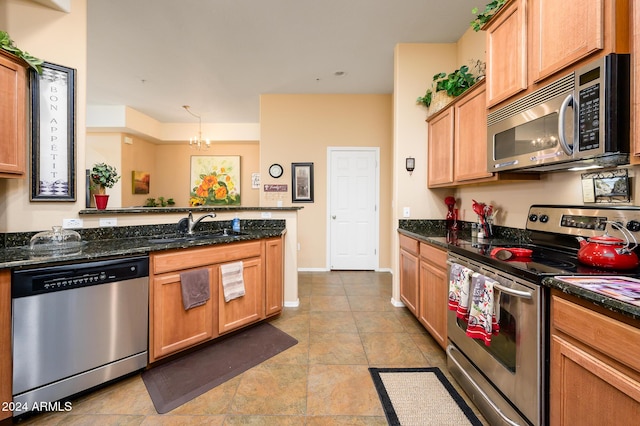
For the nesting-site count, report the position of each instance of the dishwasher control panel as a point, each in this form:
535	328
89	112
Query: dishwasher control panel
30	282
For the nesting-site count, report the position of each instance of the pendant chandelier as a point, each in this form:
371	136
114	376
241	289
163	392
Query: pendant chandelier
197	141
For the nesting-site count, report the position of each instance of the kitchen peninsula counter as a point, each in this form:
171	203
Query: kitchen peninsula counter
434	232
133	240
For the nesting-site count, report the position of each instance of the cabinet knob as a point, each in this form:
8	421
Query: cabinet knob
333	217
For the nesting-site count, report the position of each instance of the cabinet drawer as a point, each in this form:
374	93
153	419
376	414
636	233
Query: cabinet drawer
196	257
613	338
433	254
409	244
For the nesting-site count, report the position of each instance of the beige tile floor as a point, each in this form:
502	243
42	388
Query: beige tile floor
345	323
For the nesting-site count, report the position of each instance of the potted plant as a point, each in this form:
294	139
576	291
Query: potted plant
102	176
447	86
8	45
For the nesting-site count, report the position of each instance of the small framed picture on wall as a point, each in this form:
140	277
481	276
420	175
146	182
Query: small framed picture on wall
302	182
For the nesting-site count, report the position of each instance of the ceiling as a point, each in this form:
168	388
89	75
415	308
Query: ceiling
218	56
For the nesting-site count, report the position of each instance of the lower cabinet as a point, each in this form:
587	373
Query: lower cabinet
274	276
246	309
434	292
172	328
409	270
424	285
594	364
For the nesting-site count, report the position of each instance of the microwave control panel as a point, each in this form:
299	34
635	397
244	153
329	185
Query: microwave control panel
589	118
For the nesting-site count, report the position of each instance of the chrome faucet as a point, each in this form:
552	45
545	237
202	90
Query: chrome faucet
191	224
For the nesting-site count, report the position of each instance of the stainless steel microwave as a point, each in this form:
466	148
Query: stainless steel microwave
577	121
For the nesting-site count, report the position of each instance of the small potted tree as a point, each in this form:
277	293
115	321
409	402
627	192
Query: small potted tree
102	176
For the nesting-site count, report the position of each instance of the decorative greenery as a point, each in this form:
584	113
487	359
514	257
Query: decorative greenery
151	202
489	10
103	176
8	45
455	84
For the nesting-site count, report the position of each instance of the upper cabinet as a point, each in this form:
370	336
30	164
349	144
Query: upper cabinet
13	115
635	81
529	41
457	144
507	53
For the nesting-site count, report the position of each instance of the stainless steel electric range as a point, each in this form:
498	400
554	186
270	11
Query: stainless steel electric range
507	379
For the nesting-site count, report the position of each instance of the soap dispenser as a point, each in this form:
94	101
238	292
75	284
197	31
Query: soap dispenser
235	224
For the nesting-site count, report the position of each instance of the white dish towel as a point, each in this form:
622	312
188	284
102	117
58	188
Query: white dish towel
232	280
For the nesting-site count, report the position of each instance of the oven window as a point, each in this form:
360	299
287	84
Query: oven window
503	344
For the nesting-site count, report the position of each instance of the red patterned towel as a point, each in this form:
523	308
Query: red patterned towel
483	321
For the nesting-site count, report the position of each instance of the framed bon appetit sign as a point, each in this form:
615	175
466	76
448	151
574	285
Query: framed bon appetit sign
53	133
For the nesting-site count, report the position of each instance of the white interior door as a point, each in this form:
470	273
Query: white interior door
353	208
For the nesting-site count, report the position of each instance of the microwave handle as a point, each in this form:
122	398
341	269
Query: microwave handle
561	130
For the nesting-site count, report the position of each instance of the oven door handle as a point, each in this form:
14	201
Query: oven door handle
512	292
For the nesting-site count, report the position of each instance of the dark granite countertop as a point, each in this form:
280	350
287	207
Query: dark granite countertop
133	240
195	210
434	232
599	299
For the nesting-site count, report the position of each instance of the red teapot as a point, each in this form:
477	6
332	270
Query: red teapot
609	252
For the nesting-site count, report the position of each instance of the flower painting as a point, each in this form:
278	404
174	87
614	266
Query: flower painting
215	180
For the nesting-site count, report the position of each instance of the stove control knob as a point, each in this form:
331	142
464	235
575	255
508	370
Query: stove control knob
633	226
544	218
533	217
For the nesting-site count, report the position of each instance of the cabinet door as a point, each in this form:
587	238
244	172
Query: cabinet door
470	160
635	81
507	53
173	328
6	372
245	309
274	276
434	292
440	149
585	390
409	280
13	118
564	32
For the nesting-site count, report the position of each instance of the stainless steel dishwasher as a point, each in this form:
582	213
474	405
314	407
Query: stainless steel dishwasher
77	326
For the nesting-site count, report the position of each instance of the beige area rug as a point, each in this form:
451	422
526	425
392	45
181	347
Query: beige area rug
421	397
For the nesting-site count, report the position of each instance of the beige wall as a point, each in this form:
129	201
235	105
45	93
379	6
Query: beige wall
169	165
300	128
59	38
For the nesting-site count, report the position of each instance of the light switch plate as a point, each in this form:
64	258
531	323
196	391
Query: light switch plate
108	222
406	212
265	215
71	223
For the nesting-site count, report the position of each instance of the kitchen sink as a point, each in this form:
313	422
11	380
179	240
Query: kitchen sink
168	239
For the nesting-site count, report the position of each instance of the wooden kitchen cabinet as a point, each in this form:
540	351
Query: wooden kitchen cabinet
470	136
440	148
246	309
531	42
457	144
13	115
594	364
274	276
433	292
506	40
563	33
6	372
635	83
409	270
172	328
